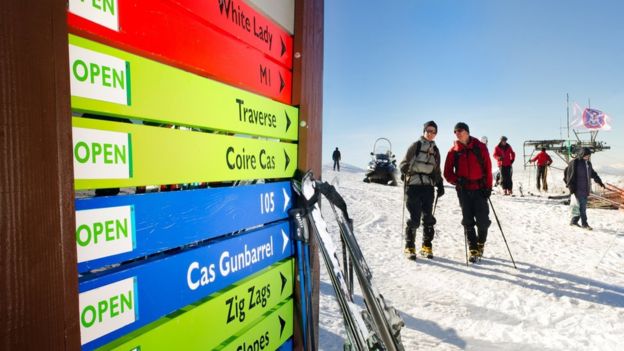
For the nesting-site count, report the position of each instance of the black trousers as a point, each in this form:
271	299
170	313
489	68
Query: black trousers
337	164
542	172
420	207
475	211
506	181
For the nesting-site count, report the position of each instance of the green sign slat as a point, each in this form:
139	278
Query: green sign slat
207	324
267	334
112	82
111	154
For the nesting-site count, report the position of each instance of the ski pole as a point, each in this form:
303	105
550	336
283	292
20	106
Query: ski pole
466	244
461	205
503	234
404	205
435	204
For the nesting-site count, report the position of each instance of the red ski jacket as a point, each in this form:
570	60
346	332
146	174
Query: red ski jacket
542	159
504	155
463	162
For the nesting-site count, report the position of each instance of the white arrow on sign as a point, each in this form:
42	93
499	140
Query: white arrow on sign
286	199
285	237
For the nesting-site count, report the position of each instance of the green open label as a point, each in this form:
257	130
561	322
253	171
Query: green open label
271	331
169	156
160	93
205	325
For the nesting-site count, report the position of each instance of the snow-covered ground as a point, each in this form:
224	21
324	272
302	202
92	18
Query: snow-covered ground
567	293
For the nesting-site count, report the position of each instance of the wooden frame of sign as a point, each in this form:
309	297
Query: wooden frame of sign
39	307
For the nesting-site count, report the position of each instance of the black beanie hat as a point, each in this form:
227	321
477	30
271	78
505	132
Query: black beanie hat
430	124
461	125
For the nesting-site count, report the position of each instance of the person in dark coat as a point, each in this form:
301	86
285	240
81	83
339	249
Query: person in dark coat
577	176
420	171
336	157
505	157
543	161
469	168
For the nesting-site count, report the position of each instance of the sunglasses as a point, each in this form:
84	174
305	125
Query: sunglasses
431	131
459	131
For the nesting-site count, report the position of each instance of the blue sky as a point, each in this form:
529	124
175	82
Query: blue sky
502	66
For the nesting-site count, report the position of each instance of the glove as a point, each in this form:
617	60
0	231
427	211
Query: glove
602	185
402	177
460	183
440	190
487	193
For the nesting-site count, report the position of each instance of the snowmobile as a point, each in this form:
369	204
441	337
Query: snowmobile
382	168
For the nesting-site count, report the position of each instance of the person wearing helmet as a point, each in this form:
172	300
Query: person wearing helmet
577	176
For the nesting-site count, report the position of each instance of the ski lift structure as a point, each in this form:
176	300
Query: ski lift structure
564	149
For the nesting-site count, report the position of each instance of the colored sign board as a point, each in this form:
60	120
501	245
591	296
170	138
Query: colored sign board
223	314
160	93
275	328
155	155
156	287
247	24
104	13
115	229
165	32
286	346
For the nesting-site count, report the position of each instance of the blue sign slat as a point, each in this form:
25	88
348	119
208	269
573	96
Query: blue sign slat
286	346
115	229
115	303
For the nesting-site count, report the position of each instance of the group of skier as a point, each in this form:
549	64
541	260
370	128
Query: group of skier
468	167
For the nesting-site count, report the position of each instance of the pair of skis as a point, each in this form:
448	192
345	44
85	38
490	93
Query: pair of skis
378	326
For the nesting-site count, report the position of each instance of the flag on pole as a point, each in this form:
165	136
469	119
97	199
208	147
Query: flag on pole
590	119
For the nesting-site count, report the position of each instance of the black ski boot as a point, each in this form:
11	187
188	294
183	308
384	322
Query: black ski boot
427	247
474	256
410	247
426	251
575	222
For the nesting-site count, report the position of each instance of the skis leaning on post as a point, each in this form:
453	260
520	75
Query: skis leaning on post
385	319
302	238
357	321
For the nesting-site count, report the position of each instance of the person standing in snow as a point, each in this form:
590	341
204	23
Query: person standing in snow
469	168
577	176
336	158
505	157
420	170
543	161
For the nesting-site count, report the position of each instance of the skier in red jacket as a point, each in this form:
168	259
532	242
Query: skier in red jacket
543	161
469	168
505	157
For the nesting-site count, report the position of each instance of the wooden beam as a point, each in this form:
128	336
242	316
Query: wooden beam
308	95
39	289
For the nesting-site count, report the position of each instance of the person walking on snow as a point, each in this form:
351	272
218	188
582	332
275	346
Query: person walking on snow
543	161
469	168
577	176
505	157
336	158
420	171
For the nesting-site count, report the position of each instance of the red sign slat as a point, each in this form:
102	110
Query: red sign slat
163	31
245	23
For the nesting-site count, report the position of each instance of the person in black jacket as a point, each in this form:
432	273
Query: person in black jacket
336	158
577	176
421	173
